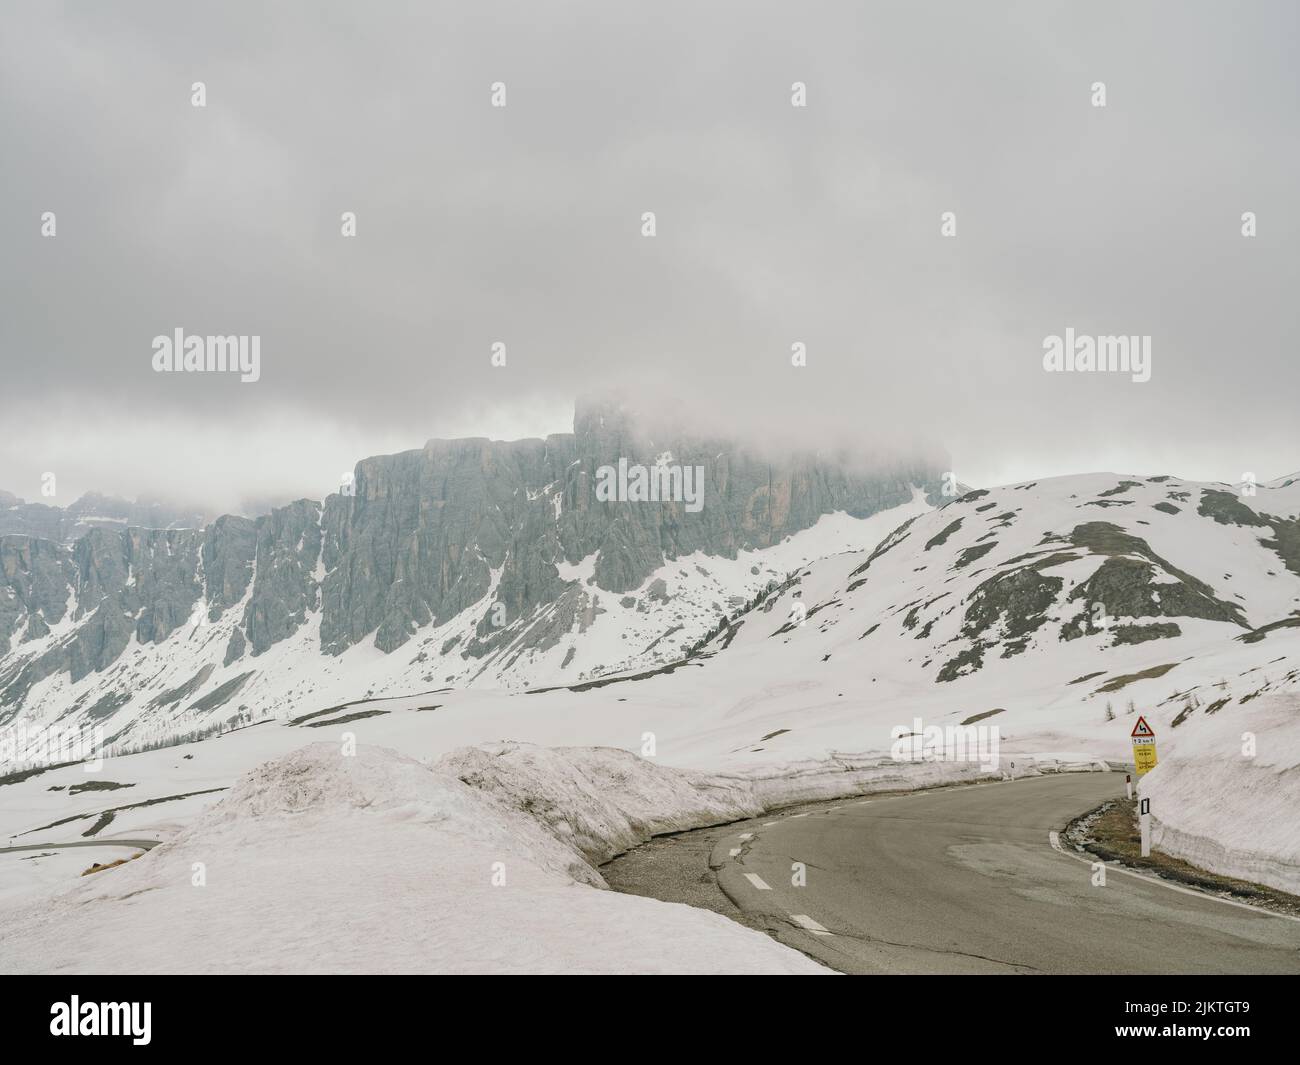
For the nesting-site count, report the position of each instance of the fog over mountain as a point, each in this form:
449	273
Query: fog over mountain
521	224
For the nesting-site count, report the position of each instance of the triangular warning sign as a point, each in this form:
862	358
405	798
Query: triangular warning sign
1142	728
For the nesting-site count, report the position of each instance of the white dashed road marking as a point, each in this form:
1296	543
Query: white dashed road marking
735	851
810	925
757	881
747	835
768	824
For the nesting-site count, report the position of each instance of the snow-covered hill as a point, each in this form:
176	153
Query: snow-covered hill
1041	605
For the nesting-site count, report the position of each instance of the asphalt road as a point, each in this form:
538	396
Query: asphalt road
135	844
965	880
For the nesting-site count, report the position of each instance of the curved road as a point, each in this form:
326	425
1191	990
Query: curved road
134	844
965	880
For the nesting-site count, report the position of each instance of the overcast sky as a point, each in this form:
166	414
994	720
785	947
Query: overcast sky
522	224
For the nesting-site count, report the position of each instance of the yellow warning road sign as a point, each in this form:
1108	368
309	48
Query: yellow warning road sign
1144	747
1144	755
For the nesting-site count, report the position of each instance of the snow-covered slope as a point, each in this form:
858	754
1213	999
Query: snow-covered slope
1042	605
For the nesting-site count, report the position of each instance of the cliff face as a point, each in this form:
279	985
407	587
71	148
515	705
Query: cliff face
427	535
92	510
37	575
427	530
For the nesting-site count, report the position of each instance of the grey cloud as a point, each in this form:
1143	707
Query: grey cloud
521	225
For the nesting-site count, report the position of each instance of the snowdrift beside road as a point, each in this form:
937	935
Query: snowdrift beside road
842	774
1251	829
603	801
377	863
599	800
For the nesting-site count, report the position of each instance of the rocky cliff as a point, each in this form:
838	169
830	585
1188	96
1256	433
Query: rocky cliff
91	511
492	532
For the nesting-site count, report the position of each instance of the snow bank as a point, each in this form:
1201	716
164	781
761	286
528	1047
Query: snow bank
376	863
603	801
841	775
1251	829
600	800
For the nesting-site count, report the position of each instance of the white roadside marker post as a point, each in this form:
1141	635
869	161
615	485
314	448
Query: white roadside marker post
1128	786
1144	821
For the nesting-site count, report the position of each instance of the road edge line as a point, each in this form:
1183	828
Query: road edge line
1054	838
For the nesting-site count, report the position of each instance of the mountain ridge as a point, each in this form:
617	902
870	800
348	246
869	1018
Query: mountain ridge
510	531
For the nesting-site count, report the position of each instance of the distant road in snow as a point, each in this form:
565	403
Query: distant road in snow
965	880
136	844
